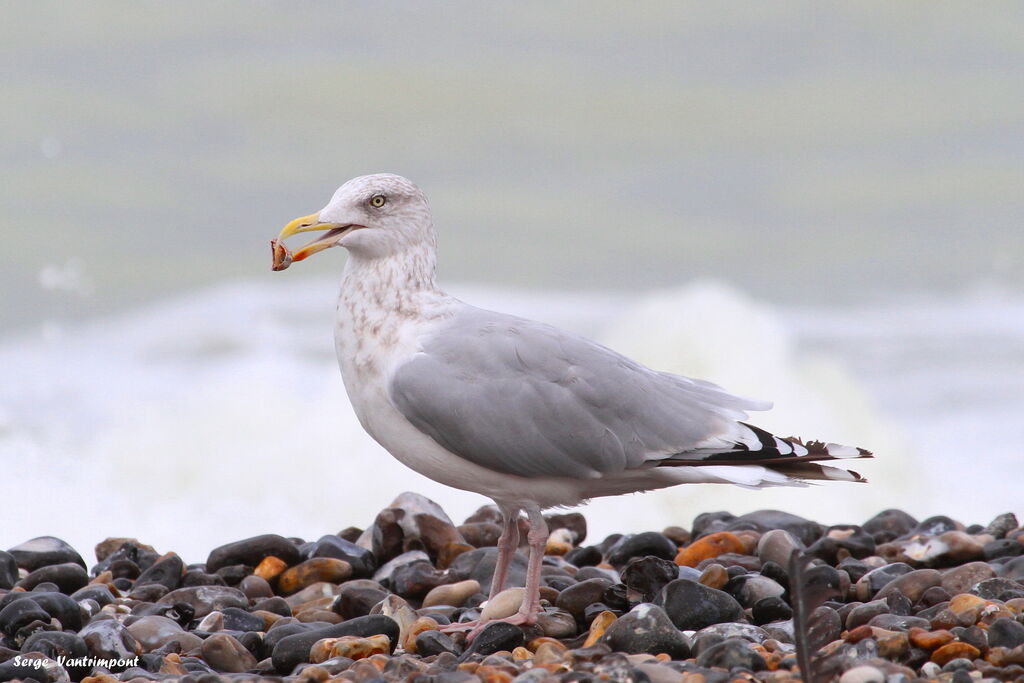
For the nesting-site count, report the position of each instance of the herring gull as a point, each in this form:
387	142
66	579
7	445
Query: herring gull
519	411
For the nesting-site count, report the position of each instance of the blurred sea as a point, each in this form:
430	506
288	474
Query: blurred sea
221	414
819	203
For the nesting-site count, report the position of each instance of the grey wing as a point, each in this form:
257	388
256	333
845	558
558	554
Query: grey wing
524	398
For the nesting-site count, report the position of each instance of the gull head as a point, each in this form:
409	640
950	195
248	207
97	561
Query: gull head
373	216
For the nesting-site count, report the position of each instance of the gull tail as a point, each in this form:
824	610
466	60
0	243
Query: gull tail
789	456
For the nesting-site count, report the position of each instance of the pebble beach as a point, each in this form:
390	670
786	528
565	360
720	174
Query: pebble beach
887	599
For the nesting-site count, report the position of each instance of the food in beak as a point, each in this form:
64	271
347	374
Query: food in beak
282	256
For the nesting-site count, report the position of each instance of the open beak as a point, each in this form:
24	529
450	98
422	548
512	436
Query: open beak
311	223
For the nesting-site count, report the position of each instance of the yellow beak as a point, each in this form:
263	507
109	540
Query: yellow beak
311	223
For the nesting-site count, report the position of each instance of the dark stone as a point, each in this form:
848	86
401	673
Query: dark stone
67	576
998	589
1003	547
479	564
98	592
151	592
166	572
616	596
710	522
588	556
19	613
252	551
751	588
56	643
767	610
648	575
731	653
363	563
641	545
933	526
889	524
1013	569
234	573
896	622
899	604
294	649
850	538
205	599
879	578
692	606
805	531
591	611
434	643
823	626
42	551
61	607
573	521
356	601
854	568
414	580
180	612
496	636
128	560
933	596
109	639
8	570
236	619
124	569
481	534
23	669
776	573
197	577
646	629
1005	632
972	635
274	605
1002	525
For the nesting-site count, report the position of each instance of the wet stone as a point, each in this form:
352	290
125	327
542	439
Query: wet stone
771	609
730	654
842	540
646	629
495	637
804	530
1002	525
42	551
8	570
824	626
875	580
256	587
998	589
109	639
205	599
56	644
692	606
1003	547
252	551
361	560
166	572
20	613
1005	632
574	522
236	619
751	588
60	607
640	545
889	524
588	556
357	600
153	631
933	526
67	576
648	575
293	649
226	654
415	580
479	565
481	534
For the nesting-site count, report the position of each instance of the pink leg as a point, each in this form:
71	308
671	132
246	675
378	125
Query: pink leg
528	611
507	545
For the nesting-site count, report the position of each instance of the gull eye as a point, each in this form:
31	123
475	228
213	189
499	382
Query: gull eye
378	200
